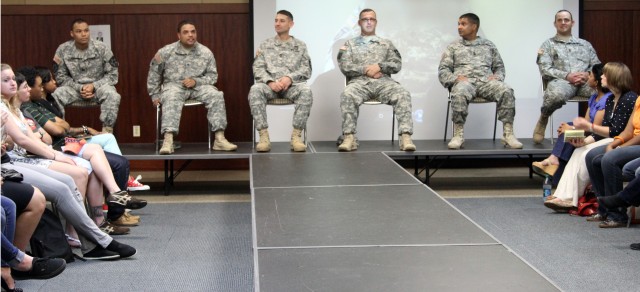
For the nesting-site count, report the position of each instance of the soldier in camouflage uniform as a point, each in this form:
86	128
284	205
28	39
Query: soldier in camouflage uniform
367	62
87	69
182	70
473	67
564	62
281	69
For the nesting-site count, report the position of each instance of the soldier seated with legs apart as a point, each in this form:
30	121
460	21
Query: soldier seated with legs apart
87	70
472	66
281	69
182	70
367	61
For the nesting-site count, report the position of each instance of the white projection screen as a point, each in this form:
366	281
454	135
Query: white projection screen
420	30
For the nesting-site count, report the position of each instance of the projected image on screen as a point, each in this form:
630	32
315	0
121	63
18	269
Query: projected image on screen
420	30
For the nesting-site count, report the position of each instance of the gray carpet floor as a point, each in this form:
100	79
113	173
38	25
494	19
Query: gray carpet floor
207	247
181	247
573	253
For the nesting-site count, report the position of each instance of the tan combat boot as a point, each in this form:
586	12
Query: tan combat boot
167	144
538	132
508	138
458	137
348	143
406	144
264	145
106	129
297	144
221	143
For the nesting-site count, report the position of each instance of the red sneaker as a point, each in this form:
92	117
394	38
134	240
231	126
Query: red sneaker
135	185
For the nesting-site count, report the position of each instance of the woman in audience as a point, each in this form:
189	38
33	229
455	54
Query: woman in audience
97	166
57	127
595	113
24	265
58	188
610	159
30	204
617	78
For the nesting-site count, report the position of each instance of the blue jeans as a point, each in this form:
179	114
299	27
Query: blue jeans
599	162
11	255
631	194
631	170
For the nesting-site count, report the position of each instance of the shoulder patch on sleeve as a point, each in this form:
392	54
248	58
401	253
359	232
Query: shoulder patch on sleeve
540	51
157	58
57	59
258	53
113	62
343	48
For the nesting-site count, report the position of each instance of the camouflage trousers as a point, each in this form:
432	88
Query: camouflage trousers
106	96
557	93
496	91
300	94
173	97
386	91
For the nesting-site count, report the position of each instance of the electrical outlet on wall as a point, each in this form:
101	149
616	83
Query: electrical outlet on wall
136	131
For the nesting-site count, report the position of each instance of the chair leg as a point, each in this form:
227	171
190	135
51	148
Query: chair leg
495	123
253	134
446	120
393	127
209	135
158	109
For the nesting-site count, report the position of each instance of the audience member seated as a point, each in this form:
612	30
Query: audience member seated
182	70
95	160
629	196
23	265
605	165
30	204
91	77
50	117
368	61
617	78
58	188
554	164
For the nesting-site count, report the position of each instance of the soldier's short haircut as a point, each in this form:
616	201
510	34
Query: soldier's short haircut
563	10
78	21
471	17
365	10
185	22
29	73
285	12
618	76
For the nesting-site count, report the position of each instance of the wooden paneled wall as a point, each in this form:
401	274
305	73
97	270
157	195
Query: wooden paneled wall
613	28
31	34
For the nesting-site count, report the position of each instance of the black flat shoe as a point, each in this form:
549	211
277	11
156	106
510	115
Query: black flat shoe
612	202
5	287
635	246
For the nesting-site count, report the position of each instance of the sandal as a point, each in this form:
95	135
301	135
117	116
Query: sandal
559	205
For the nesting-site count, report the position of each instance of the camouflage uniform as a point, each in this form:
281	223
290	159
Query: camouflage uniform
556	59
74	68
477	60
352	58
274	60
170	66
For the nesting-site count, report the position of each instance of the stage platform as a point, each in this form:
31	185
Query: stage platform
428	151
359	222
